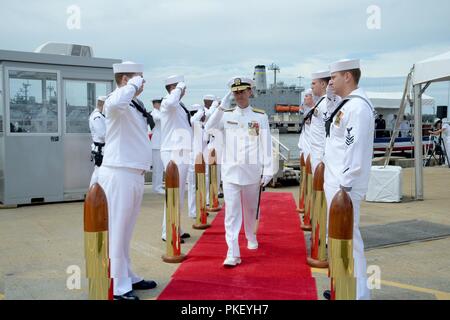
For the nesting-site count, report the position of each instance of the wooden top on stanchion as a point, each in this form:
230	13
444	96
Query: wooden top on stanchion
95	210
302	160
308	165
172	177
319	177
200	164
341	217
212	160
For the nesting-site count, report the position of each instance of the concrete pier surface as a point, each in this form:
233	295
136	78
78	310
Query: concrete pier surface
42	246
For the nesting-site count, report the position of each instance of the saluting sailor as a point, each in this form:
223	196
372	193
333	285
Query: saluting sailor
317	115
176	138
157	165
246	163
348	153
97	127
208	142
127	157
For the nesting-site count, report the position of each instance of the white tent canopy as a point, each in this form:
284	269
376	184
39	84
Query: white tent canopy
392	100
434	69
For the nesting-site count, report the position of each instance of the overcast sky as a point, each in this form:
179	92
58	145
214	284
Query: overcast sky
209	40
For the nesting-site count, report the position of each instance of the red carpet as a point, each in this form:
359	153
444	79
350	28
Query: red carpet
276	271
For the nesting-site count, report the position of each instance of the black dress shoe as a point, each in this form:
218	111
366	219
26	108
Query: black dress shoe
127	296
327	294
181	241
185	235
144	285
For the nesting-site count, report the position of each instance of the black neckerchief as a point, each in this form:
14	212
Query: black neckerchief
145	114
329	121
310	114
187	113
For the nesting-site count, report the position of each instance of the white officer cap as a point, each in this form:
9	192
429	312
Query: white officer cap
209	97
308	92
128	67
240	83
323	74
345	65
101	98
174	79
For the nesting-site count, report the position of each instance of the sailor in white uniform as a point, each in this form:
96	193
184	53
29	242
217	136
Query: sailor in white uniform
246	163
348	153
157	165
198	142
127	157
176	138
97	127
207	141
304	143
317	115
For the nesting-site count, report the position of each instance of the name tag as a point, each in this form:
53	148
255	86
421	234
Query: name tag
233	122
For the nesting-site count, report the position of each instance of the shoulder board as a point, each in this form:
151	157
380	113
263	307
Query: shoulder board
259	111
230	110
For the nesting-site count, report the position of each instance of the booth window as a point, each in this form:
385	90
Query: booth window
33	102
81	99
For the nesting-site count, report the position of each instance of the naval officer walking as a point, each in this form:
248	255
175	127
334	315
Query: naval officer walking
348	154
127	157
246	163
97	127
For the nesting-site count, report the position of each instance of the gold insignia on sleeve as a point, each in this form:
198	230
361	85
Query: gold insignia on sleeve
259	111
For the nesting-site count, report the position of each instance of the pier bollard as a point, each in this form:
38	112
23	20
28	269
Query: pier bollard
96	244
201	222
301	196
173	241
340	242
308	196
318	258
214	205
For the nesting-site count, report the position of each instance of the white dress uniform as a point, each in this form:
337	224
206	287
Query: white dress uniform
157	164
176	138
196	148
304	144
97	127
348	161
247	156
317	127
127	157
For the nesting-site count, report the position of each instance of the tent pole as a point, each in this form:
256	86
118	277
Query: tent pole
418	145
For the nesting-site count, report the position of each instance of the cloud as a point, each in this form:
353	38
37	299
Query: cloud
211	40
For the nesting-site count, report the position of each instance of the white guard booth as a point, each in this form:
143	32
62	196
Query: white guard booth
45	102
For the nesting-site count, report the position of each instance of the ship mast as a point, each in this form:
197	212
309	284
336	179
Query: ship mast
273	67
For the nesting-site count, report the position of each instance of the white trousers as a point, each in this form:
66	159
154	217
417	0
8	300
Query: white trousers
241	201
191	192
94	177
183	163
360	263
124	189
157	171
447	148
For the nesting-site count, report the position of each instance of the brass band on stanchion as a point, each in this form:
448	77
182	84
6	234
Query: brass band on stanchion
318	258
214	205
96	244
173	241
340	243
308	196
301	196
201	222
